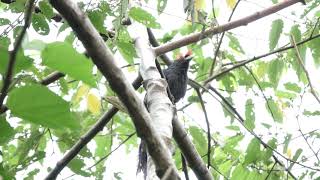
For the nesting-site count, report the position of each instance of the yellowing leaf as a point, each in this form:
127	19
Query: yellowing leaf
231	3
93	103
199	4
289	153
82	91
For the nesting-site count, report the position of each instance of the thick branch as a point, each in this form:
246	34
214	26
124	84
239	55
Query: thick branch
104	60
228	26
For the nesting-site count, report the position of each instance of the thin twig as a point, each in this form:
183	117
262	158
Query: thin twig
220	41
12	57
244	62
184	167
271	170
313	92
260	88
208	127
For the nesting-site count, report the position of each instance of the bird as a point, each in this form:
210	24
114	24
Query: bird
176	76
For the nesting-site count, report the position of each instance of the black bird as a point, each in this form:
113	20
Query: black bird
177	76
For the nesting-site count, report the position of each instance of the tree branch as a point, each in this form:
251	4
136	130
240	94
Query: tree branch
228	26
12	56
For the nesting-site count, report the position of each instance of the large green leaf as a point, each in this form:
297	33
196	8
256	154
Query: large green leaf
275	70
253	151
46	9
37	104
144	17
6	131
275	110
62	57
40	24
276	30
199	139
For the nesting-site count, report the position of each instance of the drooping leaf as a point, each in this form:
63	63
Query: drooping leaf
250	115
6	131
39	105
275	110
46	9
144	17
62	57
295	158
93	103
253	151
286	142
234	43
199	139
276	30
269	151
275	70
40	24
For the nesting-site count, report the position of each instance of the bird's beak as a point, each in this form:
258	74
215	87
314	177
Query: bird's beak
189	58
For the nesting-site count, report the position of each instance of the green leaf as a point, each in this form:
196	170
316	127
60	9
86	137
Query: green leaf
62	57
274	35
40	24
144	17
253	152
233	128
4	21
309	113
250	115
46	9
234	43
97	19
239	172
315	51
22	62
295	31
284	94
275	70
292	87
268	152
286	142
6	131
199	139
127	50
276	111
37	104
161	5
76	166
295	158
